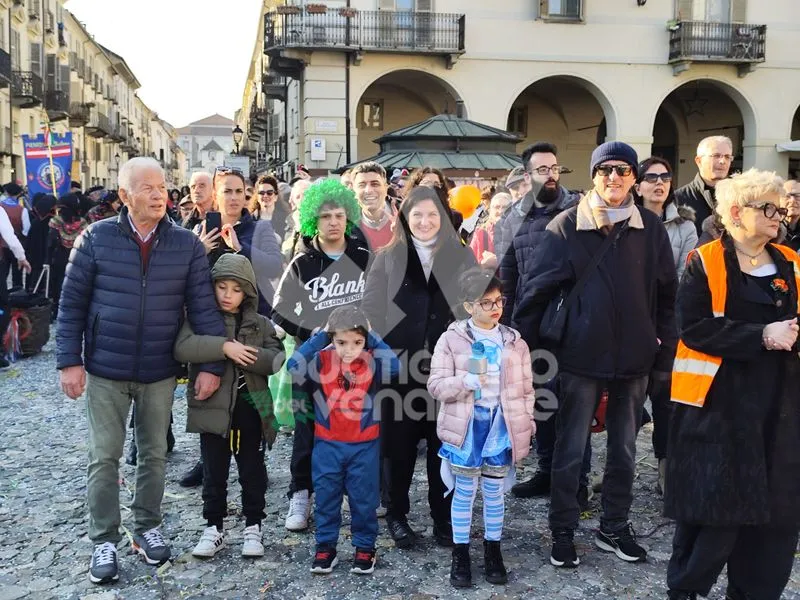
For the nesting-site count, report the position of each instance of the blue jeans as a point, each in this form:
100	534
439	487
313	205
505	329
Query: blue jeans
340	467
578	400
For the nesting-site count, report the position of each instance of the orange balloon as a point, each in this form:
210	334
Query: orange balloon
465	199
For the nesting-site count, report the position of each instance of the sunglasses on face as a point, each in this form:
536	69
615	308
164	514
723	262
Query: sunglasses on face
654	177
769	209
266	192
621	170
226	170
488	305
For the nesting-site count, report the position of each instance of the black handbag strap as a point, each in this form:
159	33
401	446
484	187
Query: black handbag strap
576	289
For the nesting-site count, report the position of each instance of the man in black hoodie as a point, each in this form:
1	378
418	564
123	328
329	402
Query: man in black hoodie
328	271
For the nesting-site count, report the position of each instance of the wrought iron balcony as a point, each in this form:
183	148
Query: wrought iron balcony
703	41
274	87
56	102
79	114
367	30
26	89
99	126
5	69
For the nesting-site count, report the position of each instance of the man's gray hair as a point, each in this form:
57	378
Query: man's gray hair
130	168
713	140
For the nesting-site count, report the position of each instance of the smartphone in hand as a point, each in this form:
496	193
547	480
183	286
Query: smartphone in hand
213	220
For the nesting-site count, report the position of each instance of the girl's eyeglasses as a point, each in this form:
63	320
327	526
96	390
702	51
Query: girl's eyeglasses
769	209
488	305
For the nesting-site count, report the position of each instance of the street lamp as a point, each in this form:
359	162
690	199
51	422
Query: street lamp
238	134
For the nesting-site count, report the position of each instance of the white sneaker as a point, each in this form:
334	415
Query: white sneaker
211	542
299	511
252	541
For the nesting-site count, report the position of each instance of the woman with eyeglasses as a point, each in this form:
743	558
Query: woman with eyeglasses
733	467
654	192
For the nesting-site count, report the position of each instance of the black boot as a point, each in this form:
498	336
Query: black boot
131	457
493	561
443	534
460	570
537	486
193	477
676	595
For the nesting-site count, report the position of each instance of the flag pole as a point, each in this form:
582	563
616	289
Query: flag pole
48	140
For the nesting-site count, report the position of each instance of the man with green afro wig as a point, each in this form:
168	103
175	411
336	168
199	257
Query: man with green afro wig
328	271
327	193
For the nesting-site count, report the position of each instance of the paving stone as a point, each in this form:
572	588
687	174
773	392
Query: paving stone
44	520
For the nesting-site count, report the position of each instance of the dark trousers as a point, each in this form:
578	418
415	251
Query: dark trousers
658	390
545	446
245	443
759	559
302	442
10	263
401	432
578	399
341	467
5	318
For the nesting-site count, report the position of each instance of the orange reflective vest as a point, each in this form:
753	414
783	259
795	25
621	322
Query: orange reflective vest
694	372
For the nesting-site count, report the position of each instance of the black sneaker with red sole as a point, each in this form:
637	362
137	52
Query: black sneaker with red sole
363	561
325	560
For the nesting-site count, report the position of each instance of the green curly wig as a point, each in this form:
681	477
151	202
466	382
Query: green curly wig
329	191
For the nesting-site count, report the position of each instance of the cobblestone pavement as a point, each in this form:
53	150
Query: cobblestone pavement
44	551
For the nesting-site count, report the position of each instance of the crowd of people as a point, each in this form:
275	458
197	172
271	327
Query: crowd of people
416	320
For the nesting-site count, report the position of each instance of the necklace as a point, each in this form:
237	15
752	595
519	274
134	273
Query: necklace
753	257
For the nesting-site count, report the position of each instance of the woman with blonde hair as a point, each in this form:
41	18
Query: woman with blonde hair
733	472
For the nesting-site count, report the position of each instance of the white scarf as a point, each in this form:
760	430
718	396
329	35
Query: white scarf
425	253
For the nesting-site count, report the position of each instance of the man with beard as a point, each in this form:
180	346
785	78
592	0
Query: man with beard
522	228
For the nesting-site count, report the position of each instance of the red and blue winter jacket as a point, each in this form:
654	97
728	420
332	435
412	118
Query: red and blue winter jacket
344	395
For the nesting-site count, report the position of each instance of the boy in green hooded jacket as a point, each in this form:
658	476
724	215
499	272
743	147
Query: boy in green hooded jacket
238	419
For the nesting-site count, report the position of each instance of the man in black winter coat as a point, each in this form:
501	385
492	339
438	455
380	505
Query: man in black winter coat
713	160
516	238
619	328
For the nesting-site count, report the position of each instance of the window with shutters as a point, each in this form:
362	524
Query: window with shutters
518	120
36	59
16	57
372	114
713	11
561	10
406	5
52	74
64	83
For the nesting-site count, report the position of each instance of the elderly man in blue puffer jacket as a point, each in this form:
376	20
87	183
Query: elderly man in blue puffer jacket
129	282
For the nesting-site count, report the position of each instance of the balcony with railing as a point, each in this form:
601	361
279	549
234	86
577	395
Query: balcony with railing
5	69
366	30
56	102
26	89
79	114
703	41
34	9
99	125
274	87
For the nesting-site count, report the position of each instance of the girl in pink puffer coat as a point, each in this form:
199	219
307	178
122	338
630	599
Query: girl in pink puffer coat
481	376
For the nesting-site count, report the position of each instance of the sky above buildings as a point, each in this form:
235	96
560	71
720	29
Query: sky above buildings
191	56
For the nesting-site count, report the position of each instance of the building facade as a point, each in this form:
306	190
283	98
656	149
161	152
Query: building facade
205	143
53	71
660	75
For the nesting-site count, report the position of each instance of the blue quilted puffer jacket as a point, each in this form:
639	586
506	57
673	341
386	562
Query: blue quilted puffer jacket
124	318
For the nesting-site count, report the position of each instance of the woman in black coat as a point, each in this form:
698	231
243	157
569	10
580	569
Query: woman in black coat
64	229
410	291
733	466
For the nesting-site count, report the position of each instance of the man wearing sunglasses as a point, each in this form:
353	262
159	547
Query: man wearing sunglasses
713	160
617	328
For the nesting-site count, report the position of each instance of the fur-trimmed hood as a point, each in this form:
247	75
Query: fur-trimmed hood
679	214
